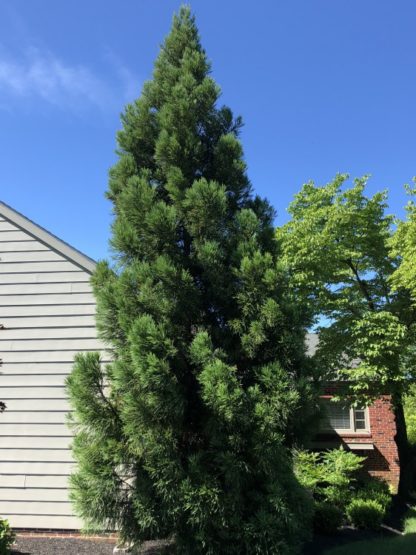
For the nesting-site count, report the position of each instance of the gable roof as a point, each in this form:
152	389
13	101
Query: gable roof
47	238
312	340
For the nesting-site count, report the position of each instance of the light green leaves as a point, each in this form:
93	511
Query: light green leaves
403	245
337	249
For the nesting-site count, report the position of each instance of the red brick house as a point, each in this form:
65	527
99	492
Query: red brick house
369	432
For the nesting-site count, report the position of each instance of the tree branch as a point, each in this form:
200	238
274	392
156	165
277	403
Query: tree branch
361	284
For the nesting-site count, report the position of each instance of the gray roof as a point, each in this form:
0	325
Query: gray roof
47	238
312	341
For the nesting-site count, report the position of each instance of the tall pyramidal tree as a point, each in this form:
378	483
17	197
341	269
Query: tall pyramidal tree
186	434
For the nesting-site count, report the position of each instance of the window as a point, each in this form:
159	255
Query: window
341	418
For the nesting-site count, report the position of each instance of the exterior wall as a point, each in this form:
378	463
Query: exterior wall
46	317
382	460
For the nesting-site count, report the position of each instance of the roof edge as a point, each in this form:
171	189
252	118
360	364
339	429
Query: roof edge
47	238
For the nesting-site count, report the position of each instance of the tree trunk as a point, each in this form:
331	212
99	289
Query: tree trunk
402	445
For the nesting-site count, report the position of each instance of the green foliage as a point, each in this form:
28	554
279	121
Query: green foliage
330	475
187	433
332	478
338	248
410	521
327	518
399	545
404	246
7	537
352	268
374	489
365	513
410	413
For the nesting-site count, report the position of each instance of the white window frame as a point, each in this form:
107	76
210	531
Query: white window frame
325	427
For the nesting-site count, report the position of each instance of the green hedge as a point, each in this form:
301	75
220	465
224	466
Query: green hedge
7	537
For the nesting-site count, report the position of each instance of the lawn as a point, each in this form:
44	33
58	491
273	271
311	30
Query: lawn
402	545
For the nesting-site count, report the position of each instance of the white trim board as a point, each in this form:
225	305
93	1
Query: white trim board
47	238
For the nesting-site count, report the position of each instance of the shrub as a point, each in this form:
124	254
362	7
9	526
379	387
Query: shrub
329	476
365	513
327	518
410	521
375	489
7	537
410	413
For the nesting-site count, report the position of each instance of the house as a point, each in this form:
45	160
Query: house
367	431
46	316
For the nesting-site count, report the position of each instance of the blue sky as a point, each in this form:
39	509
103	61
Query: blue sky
323	86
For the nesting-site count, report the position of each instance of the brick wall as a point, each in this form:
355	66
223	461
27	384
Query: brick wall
383	460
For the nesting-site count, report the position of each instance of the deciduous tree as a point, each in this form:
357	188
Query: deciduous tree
403	245
338	249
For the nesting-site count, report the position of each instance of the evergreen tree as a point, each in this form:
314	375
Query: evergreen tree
187	433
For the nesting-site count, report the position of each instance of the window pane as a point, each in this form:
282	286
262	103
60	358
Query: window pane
359	424
339	416
359	415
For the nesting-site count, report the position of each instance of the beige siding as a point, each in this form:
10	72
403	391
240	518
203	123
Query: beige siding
40	322
39	521
72	277
30	442
24	299
26	494
34	417
44	288
51	310
27	267
47	310
35	333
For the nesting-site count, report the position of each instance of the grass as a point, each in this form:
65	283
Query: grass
410	522
402	545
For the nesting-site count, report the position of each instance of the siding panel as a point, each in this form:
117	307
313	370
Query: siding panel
47	345
7	226
33	380
49	522
62	367
29	256
36	333
30	267
25	494
47	310
58	368
44	393
42	507
23	405
24	299
37	417
60	430
48	288
45	322
41	356
36	455
21	246
40	468
45	277
21	442
17	235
